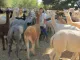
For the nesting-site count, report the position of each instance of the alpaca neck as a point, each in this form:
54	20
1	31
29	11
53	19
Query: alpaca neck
53	21
55	25
38	20
13	16
69	20
7	17
62	21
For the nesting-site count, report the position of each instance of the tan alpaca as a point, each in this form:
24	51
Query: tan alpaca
64	40
69	20
32	34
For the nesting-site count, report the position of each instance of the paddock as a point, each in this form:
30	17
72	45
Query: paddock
39	56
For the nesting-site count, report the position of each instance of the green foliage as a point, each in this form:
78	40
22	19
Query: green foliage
41	5
20	3
15	3
2	3
24	3
59	4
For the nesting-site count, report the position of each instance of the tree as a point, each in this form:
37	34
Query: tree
78	3
60	4
24	3
15	3
41	5
46	2
2	3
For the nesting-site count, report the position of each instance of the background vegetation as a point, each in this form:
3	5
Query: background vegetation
60	4
47	4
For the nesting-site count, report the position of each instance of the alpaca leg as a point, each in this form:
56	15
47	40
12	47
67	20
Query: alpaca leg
27	45
74	56
51	55
6	41
33	48
3	42
18	41
17	50
28	51
52	29
21	44
37	43
5	37
57	56
9	47
79	56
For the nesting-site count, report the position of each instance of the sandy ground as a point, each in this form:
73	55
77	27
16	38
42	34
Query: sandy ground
43	45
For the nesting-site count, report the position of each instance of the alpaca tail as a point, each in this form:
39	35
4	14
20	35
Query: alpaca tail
48	51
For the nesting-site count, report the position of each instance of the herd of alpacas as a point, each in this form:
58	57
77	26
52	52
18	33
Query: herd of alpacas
66	36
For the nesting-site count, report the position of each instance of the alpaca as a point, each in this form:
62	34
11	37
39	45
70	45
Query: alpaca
64	40
14	34
58	26
69	20
32	34
14	14
20	21
4	28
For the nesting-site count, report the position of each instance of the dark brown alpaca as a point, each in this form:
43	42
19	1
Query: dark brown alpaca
4	29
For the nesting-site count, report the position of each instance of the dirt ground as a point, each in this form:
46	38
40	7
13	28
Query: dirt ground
43	45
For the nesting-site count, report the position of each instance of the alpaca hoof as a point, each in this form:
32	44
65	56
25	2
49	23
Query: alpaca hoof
10	50
4	49
47	41
35	54
38	47
21	49
25	49
31	54
9	59
28	58
19	59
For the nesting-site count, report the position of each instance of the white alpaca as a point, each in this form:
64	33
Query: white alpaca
48	24
69	20
58	26
55	26
15	14
65	40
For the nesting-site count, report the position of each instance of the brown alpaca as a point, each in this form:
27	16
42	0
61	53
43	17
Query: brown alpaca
4	29
32	34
